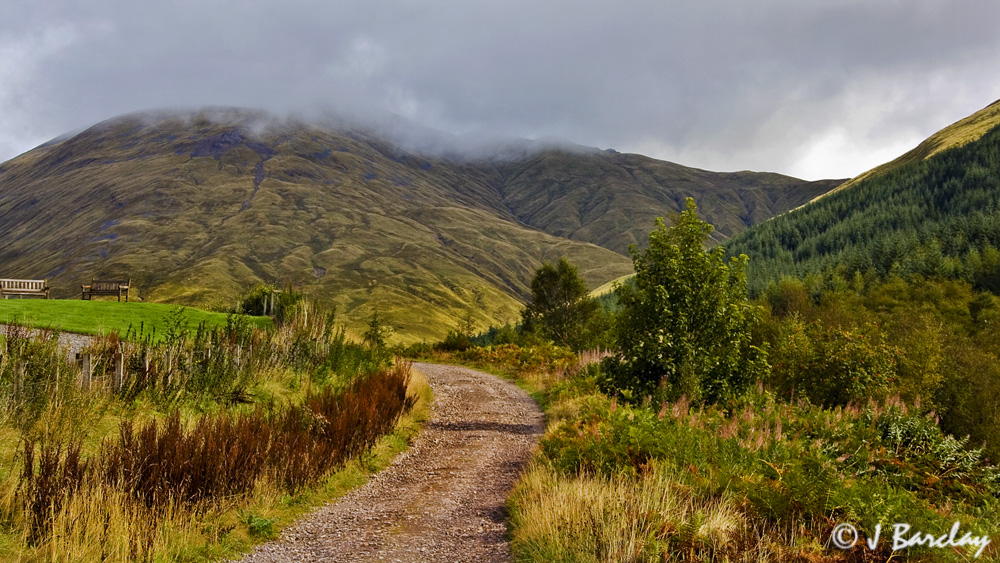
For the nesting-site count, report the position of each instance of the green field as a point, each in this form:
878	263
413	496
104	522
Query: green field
102	317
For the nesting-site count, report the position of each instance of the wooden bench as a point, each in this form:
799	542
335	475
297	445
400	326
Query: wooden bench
31	288
107	287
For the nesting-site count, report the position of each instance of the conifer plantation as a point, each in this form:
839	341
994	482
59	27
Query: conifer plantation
936	218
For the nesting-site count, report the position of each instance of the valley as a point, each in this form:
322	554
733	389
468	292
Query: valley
777	370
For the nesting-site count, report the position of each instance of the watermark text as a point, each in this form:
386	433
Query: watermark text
845	536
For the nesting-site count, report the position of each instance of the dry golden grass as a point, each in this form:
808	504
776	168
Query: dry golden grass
651	518
619	518
610	286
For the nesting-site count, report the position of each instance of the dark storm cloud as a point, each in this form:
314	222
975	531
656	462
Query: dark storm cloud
811	88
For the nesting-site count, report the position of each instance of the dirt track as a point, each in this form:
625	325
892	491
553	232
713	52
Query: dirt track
442	500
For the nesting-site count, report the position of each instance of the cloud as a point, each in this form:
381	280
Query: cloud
814	88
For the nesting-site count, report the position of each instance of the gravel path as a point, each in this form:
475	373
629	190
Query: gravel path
443	499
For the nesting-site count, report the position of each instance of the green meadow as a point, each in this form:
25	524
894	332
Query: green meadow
104	317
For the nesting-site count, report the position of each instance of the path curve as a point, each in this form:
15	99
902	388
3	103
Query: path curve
441	500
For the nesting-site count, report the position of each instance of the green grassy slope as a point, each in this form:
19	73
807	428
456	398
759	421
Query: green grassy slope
102	317
957	134
196	207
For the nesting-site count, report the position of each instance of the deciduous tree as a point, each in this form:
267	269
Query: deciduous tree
685	321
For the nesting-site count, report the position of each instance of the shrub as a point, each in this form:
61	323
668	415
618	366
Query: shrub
561	309
455	341
266	299
259	527
544	357
835	366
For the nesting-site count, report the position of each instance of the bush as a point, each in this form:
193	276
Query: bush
835	366
454	342
494	335
561	309
545	357
798	466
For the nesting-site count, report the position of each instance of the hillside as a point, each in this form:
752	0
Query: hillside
957	134
195	207
934	212
612	199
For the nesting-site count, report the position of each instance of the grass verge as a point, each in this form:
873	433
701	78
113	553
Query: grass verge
109	524
199	447
103	317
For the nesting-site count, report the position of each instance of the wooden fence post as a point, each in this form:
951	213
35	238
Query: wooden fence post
119	377
86	373
170	366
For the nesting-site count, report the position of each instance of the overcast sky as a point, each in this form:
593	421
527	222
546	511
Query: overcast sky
811	88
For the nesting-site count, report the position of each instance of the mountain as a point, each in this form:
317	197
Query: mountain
935	211
197	206
613	199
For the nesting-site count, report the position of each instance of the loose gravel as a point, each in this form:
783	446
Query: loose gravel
441	500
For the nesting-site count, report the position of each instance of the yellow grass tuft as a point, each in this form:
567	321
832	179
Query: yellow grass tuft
610	519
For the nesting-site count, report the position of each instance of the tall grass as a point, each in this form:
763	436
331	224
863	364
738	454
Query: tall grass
33	373
225	455
161	467
195	429
785	473
615	518
225	362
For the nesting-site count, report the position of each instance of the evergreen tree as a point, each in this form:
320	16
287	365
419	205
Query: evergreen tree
377	334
